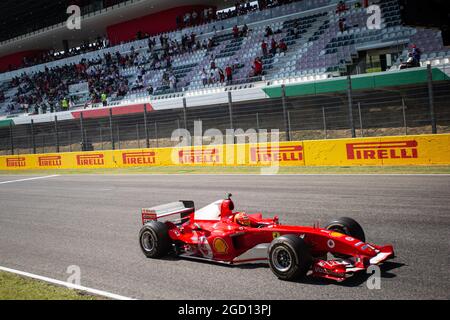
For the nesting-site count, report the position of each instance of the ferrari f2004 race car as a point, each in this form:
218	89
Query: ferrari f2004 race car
218	233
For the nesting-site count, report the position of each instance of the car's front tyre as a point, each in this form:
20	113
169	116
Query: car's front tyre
154	240
289	257
347	226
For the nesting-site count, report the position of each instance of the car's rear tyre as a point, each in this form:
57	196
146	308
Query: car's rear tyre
347	226
154	240
289	257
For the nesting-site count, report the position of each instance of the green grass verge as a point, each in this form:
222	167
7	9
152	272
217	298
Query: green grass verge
246	170
14	287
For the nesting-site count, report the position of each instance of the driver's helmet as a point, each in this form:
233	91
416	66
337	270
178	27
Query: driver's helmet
242	219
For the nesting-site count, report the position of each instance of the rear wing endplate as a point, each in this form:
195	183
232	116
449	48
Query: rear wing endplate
184	208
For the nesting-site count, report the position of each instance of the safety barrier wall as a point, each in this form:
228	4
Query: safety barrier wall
385	151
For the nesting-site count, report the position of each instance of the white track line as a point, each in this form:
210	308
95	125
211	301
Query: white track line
30	179
67	284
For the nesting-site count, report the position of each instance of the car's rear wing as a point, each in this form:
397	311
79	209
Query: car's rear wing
163	212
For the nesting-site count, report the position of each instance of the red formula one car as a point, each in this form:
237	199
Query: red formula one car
218	233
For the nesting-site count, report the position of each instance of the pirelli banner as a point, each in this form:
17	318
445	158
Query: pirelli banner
385	151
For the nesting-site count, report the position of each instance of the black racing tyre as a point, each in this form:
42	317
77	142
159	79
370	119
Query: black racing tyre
154	240
289	257
347	226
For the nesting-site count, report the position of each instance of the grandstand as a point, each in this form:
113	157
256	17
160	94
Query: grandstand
319	49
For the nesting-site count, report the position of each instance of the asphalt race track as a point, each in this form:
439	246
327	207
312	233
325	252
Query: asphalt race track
93	221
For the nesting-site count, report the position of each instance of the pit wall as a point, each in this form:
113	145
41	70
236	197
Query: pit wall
384	151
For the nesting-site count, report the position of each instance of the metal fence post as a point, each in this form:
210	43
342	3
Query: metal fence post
11	138
147	138
257	122
111	130
285	115
33	140
138	135
70	141
431	99
57	134
360	119
230	113
101	136
83	142
350	106
324	123
185	113
156	134
404	116
118	137
289	124
230	109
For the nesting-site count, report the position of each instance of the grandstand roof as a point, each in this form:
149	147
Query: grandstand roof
19	18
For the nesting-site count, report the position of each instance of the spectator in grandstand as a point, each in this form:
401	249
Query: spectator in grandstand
173	82
245	30
236	64
417	55
213	63
229	73
220	75
273	46
150	89
257	67
65	104
341	7
204	76
264	48
236	31
343	25
139	83
104	98
211	78
269	31
282	46
410	63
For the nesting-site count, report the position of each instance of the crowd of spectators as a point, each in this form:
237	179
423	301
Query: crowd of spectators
49	90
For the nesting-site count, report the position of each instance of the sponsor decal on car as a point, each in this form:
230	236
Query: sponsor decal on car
277	154
383	150
220	246
276	235
16	162
139	158
335	234
91	159
50	161
148	215
318	269
331	244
